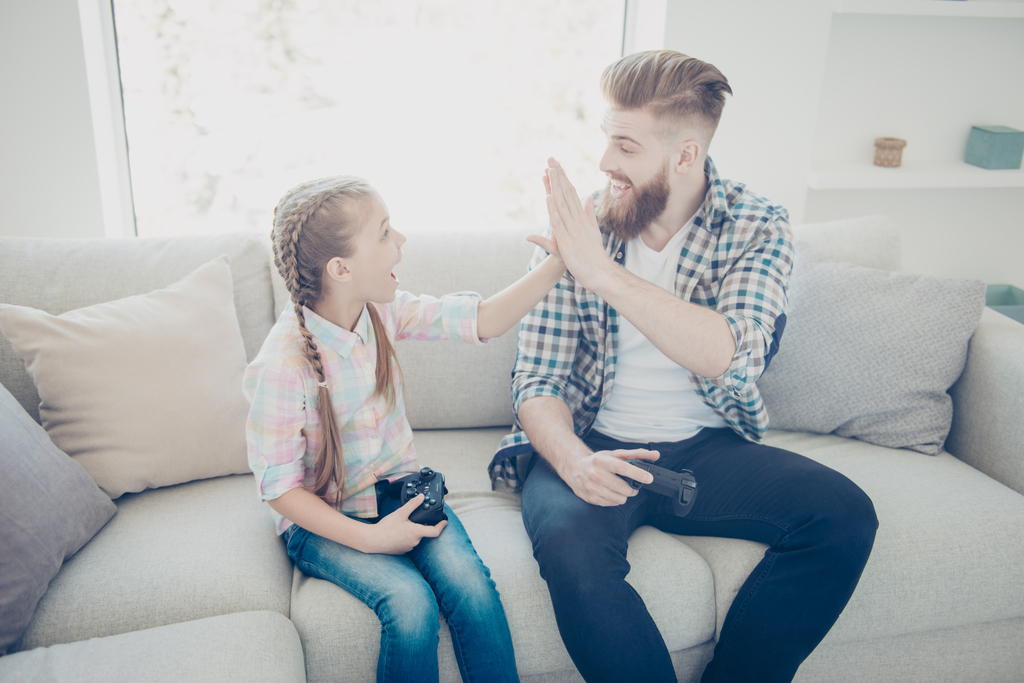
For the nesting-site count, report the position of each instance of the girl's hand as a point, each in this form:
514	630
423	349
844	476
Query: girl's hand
548	244
396	535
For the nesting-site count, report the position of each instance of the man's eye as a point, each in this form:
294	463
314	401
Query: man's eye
387	233
626	151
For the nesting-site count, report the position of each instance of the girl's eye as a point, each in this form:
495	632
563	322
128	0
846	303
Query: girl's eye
387	233
626	151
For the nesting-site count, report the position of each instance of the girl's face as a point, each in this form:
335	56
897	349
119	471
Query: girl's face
378	249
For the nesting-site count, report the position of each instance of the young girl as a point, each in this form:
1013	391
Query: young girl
327	428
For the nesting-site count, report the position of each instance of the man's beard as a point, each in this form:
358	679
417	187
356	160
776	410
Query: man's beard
629	217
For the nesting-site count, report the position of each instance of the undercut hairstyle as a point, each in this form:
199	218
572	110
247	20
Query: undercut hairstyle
679	91
313	223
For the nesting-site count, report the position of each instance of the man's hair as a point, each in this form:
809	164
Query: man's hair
679	91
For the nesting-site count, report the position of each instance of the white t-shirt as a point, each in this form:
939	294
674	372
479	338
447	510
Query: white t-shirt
653	399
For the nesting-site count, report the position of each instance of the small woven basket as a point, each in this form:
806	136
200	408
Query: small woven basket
889	152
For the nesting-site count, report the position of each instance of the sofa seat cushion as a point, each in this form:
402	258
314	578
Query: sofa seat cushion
339	648
248	646
949	551
169	555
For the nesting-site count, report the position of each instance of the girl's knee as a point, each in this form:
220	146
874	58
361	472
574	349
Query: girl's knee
410	611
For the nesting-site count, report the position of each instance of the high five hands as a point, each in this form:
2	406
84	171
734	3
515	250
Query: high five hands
574	228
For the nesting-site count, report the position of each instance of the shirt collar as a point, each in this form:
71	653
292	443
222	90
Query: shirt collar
714	202
337	338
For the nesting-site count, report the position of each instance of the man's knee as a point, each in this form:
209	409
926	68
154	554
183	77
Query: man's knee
851	519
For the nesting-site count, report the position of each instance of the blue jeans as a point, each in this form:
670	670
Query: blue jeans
407	591
819	527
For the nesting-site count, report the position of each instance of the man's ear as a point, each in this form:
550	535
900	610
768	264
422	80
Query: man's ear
337	270
686	156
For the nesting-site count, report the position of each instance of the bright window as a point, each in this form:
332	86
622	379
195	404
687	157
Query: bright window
449	108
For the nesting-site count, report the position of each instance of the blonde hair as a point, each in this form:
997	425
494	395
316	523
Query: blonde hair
670	85
313	223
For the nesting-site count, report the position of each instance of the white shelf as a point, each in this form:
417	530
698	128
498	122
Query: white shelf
931	8
911	177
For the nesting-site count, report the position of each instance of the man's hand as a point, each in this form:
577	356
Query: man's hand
595	477
574	228
396	535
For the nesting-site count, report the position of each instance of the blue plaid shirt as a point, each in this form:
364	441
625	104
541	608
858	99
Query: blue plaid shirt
736	259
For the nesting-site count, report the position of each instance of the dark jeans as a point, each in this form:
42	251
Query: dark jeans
819	527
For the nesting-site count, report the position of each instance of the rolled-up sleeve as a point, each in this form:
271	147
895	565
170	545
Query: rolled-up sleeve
753	300
274	440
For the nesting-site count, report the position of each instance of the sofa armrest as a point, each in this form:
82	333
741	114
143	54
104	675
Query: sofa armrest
988	402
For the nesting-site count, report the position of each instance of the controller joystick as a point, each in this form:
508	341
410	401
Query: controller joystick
431	485
680	487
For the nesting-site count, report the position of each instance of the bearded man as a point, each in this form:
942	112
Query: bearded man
649	349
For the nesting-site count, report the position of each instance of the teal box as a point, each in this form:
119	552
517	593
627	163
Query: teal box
1006	299
995	147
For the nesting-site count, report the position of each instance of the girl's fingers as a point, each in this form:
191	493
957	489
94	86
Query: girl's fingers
544	243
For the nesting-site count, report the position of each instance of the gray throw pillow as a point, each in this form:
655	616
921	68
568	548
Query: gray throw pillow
870	354
49	508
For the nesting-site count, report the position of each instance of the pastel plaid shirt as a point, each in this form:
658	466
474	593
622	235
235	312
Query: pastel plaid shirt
283	432
736	259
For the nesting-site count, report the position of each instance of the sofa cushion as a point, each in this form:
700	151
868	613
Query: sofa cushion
170	555
143	391
473	381
870	353
49	508
249	646
61	275
949	551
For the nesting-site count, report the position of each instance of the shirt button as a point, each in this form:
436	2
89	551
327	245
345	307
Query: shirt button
619	255
367	366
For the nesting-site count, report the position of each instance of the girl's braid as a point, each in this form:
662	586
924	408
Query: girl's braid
286	259
329	466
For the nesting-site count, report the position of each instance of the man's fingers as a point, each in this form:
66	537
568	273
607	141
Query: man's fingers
569	204
588	210
636	454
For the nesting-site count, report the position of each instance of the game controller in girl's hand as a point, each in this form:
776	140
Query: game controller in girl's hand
431	485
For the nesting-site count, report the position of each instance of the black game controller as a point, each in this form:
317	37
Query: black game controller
681	487
431	485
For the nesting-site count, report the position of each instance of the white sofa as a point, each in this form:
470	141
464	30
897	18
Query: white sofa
190	582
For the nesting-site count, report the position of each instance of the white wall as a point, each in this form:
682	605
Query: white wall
49	184
926	80
814	89
775	69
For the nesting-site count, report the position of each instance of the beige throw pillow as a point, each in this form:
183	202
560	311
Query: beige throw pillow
145	391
